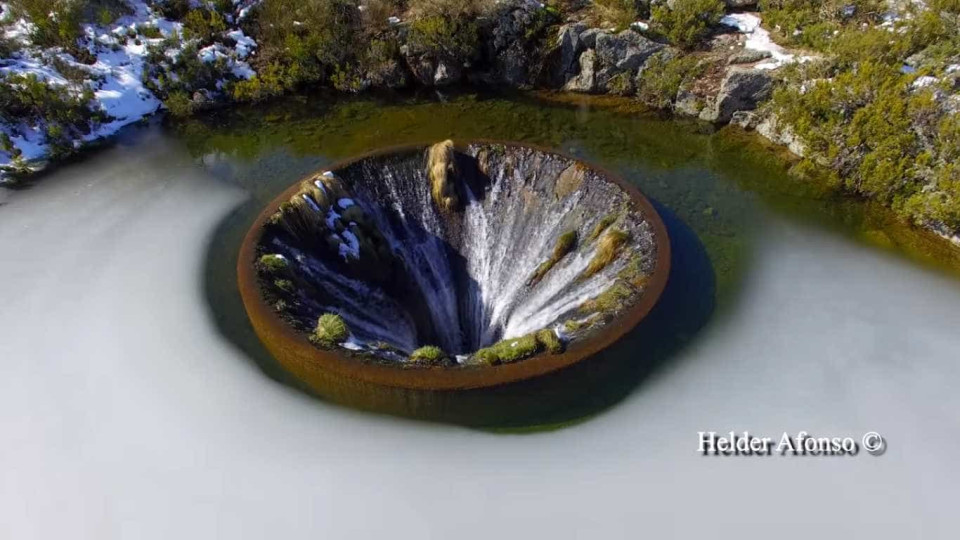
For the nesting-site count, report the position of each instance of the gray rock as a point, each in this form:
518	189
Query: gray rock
748	56
585	81
589	37
447	73
742	90
771	129
513	66
422	67
687	103
626	51
570	45
745	119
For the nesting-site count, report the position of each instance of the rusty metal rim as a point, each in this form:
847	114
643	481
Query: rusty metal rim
340	363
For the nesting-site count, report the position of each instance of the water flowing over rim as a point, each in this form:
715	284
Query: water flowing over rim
292	348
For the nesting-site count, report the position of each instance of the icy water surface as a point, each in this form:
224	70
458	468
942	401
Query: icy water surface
134	401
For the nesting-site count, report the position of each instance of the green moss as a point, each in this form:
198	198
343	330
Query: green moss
509	350
611	300
429	354
566	242
609	246
284	285
602	225
331	330
273	263
549	340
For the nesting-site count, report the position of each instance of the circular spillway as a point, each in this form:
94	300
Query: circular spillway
451	281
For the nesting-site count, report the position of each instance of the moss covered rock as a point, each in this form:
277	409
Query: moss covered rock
429	355
331	330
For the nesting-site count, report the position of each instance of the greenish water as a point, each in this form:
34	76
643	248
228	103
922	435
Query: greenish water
719	183
718	192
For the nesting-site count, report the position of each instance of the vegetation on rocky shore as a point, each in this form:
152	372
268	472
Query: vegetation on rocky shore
865	89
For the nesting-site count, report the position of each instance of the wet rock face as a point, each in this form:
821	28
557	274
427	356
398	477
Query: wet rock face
490	252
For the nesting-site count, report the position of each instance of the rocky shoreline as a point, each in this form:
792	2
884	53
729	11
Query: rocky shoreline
728	78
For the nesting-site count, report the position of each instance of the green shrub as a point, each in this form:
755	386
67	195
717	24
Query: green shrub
62	29
620	13
66	113
203	24
184	74
663	77
331	330
429	355
445	36
688	22
179	103
174	10
304	42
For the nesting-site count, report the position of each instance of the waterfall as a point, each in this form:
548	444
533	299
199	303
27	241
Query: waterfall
409	272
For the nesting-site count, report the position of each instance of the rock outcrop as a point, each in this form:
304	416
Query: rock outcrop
742	90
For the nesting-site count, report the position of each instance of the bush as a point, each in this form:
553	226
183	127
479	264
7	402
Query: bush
65	113
663	77
179	103
203	24
331	330
185	74
303	42
688	22
447	28
56	22
620	13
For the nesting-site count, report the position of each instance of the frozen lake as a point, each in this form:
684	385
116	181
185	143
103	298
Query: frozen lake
127	412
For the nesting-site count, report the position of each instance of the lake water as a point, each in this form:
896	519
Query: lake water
136	403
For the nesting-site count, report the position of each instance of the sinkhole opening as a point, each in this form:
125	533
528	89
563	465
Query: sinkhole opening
480	254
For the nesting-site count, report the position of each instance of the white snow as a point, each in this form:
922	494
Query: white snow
924	81
116	76
758	39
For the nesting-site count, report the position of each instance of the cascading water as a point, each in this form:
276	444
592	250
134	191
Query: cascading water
478	251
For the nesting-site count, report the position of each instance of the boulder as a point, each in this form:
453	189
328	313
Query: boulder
745	119
626	51
742	89
585	81
447	73
687	104
620	57
571	46
589	37
748	56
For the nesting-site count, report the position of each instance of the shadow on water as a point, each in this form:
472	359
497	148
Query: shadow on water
585	389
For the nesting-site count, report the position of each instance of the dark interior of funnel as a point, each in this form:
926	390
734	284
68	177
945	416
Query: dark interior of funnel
469	249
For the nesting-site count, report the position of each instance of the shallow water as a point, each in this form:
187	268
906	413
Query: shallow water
134	403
